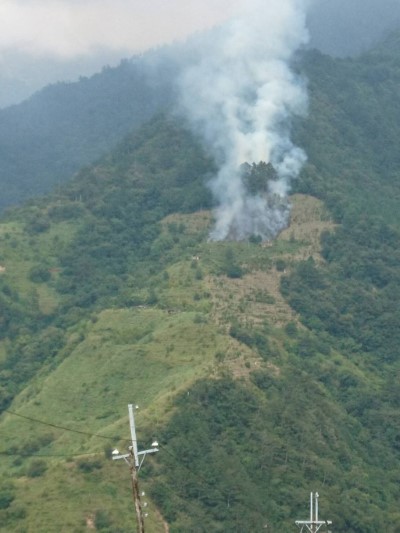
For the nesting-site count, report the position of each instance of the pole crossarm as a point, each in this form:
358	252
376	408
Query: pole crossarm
314	524
126	455
313	527
151	450
144	453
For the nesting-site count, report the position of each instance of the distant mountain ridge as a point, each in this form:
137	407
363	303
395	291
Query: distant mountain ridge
347	28
337	27
47	138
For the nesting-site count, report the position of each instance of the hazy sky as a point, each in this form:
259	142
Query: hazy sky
44	41
70	28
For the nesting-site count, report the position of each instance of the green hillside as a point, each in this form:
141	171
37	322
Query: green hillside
265	370
64	126
350	135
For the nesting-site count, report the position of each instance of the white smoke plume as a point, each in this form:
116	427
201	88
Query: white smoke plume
240	94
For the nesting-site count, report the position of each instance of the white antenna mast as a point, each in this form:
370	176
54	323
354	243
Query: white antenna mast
314	524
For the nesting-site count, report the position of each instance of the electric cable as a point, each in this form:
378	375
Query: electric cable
21	454
196	475
224	496
56	426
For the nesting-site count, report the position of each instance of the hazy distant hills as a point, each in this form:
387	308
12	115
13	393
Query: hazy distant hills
48	137
337	27
21	75
349	27
45	139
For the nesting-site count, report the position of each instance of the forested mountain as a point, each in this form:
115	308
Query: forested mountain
265	371
351	133
345	28
67	125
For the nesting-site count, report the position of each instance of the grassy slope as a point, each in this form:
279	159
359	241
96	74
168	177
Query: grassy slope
151	352
194	326
147	355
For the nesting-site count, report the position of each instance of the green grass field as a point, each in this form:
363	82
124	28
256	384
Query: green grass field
144	355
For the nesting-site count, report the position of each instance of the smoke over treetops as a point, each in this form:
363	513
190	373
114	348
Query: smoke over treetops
240	94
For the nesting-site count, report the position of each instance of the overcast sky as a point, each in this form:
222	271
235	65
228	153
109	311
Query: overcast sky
44	41
71	28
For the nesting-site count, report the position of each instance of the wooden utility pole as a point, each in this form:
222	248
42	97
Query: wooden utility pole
136	499
132	459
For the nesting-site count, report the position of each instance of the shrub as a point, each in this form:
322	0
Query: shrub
17	512
280	265
37	468
102	520
87	466
39	274
234	271
6	497
291	329
255	239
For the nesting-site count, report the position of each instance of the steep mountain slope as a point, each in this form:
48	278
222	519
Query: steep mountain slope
350	135
67	125
265	371
111	293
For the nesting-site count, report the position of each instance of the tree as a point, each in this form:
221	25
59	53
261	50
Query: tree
257	177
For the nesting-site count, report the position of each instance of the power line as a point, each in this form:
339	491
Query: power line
50	424
56	426
196	475
21	454
87	433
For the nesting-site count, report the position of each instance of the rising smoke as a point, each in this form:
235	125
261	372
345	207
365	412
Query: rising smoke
240	94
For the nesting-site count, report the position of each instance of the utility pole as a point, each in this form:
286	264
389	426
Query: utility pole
132	460
314	524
